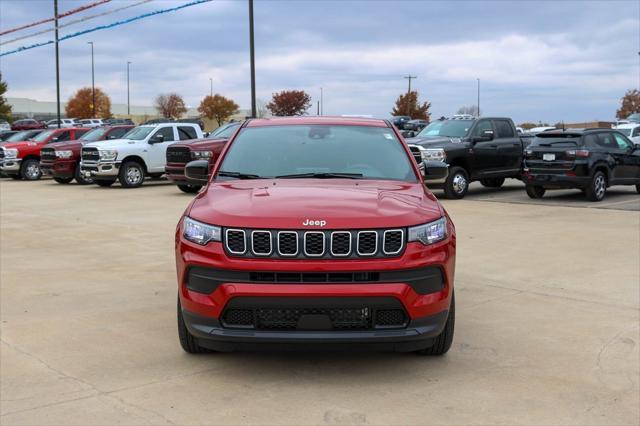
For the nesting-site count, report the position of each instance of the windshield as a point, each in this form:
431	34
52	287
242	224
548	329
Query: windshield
224	131
138	133
42	136
20	136
447	128
94	135
326	151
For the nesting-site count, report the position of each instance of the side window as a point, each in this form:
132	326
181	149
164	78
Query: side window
591	140
167	132
621	141
186	133
503	129
118	133
605	140
80	133
481	127
63	136
635	132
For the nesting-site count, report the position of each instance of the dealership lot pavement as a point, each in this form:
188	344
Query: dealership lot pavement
547	330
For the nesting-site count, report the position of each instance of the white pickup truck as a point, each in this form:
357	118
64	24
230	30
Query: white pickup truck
140	153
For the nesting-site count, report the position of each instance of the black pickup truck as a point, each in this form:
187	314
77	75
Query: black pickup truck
487	149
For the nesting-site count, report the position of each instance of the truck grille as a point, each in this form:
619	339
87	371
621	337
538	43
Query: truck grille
178	154
416	153
314	244
48	154
90	154
1	152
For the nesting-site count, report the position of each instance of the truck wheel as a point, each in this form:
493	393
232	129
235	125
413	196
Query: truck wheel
443	341
80	177
638	188
457	183
15	177
492	182
535	191
190	189
187	341
131	175
63	180
597	187
105	183
30	170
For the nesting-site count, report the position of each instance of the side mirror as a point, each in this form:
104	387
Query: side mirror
158	138
434	170
408	133
197	171
486	136
55	139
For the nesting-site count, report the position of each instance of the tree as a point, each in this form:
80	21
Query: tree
289	102
408	104
527	125
80	104
470	110
170	105
5	108
217	107
261	108
630	104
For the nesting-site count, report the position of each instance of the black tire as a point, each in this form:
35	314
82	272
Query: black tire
443	341
597	187
131	174
492	182
15	177
187	341
104	183
190	189
535	191
638	188
63	180
79	177
457	183
30	169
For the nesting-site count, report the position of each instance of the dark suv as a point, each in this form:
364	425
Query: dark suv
587	159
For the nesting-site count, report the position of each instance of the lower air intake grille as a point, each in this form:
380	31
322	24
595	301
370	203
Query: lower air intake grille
239	317
390	317
288	319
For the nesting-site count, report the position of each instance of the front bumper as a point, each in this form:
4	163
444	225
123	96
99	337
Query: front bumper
175	172
8	165
58	168
102	169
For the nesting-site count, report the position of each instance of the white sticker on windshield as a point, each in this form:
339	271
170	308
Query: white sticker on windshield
456	140
388	136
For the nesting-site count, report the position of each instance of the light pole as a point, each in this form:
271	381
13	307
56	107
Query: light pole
321	102
409	77
55	15
478	97
93	84
128	99
211	81
253	61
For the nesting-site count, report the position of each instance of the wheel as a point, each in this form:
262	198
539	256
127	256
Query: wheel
492	182
15	177
63	180
80	177
190	189
535	191
597	187
131	175
105	183
30	170
638	188
443	341
187	341
457	183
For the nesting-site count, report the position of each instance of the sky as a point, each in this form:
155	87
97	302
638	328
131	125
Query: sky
546	61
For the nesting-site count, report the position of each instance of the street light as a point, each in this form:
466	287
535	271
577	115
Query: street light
252	61
211	81
128	99
93	84
478	97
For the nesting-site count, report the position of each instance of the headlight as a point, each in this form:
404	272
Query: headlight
200	233
429	233
11	153
64	154
434	154
108	154
201	155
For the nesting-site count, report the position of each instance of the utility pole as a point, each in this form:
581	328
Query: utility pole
128	98
409	77
253	61
318	108
321	102
478	97
93	85
55	14
211	81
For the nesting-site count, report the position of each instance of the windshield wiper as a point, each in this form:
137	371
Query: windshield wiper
238	175
322	175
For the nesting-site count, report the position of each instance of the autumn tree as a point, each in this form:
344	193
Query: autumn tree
630	104
527	125
217	107
289	102
5	108
408	104
170	105
80	105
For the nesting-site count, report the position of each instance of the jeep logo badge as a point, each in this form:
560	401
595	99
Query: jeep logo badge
311	222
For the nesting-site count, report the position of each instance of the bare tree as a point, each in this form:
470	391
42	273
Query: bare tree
470	110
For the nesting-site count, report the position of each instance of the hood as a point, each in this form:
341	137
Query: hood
435	141
66	145
342	203
110	143
19	144
197	144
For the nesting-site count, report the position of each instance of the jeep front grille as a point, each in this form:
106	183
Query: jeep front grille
316	244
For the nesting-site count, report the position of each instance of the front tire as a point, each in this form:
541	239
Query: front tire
443	341
131	175
187	341
457	183
63	180
30	170
638	188
104	183
80	177
597	187
535	192
492	182
190	189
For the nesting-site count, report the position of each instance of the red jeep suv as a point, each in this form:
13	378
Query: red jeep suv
316	231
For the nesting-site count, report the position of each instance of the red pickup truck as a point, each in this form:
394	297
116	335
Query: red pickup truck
62	159
179	154
21	160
